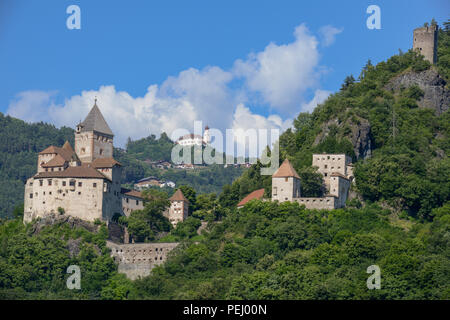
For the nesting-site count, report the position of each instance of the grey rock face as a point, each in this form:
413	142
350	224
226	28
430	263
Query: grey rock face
72	222
361	138
360	135
436	95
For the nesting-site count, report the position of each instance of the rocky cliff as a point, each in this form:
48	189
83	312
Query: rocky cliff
436	93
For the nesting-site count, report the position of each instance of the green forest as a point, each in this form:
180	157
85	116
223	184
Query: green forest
398	215
20	143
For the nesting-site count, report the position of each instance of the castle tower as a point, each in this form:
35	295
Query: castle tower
425	42
285	183
93	137
179	208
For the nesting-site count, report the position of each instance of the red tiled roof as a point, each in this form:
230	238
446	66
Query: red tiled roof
63	152
178	196
285	170
190	136
132	193
105	163
57	161
67	146
257	194
73	172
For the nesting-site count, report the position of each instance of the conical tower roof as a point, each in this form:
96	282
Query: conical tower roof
95	122
285	170
178	196
67	146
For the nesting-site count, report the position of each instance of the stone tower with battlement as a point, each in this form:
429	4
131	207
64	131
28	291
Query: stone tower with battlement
425	42
93	137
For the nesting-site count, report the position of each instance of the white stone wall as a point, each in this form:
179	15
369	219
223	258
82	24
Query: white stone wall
329	163
339	187
42	159
285	188
81	199
84	145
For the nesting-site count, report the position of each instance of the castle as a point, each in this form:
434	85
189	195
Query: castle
337	172
425	42
85	182
195	139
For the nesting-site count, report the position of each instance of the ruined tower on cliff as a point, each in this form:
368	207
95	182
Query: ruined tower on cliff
425	42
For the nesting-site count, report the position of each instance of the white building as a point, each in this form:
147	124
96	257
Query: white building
195	139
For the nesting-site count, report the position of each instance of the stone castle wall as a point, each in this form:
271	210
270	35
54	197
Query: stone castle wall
327	203
138	259
83	199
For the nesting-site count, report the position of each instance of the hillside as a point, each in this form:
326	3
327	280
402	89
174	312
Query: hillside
20	142
394	122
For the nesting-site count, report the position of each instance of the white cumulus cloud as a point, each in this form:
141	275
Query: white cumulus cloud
283	73
280	76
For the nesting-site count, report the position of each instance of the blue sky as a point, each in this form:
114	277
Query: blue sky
158	65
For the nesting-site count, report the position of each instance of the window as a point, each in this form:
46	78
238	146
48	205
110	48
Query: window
51	169
101	151
31	196
80	184
325	174
127	200
64	183
137	202
326	166
41	183
46	169
285	179
49	182
79	193
275	191
94	185
72	183
49	192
